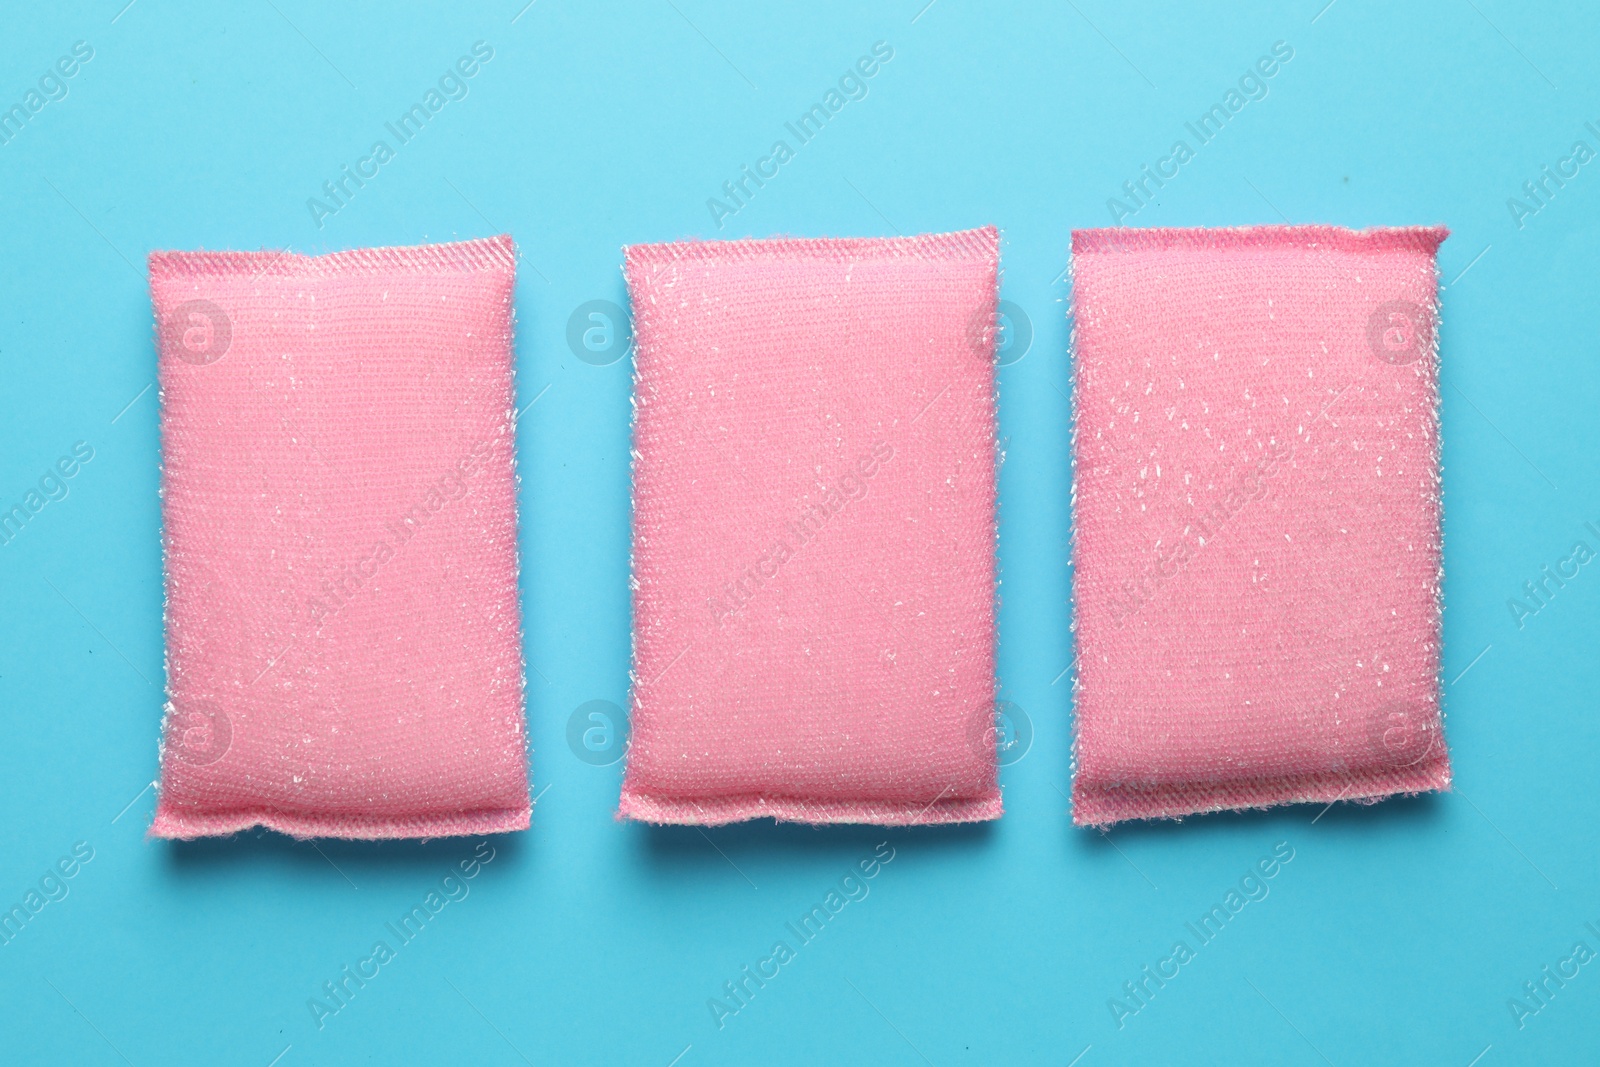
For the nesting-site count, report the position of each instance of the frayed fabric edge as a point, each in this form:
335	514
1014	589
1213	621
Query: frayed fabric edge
483	253
179	825
719	811
1105	805
1318	238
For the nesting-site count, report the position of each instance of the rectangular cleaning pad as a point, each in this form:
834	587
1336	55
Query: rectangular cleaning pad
1257	563
338	495
814	531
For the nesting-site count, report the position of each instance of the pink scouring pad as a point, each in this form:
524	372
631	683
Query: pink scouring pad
814	531
1257	513
339	502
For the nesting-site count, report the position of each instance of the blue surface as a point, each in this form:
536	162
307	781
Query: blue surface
1397	934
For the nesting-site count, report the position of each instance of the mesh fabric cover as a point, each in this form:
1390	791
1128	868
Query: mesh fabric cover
343	630
814	531
1257	564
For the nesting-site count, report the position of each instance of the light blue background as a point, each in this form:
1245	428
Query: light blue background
1397	933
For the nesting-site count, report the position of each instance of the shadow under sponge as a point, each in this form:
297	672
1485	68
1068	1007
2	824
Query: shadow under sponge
814	531
339	501
1257	519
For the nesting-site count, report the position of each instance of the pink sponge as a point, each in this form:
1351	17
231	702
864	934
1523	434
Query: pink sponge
343	631
1257	570
814	531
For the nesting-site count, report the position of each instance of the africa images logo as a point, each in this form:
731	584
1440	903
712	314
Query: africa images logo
1402	735
51	486
1138	194
1171	556
335	592
199	732
852	85
1399	332
198	332
52	86
597	732
339	191
812	520
599	332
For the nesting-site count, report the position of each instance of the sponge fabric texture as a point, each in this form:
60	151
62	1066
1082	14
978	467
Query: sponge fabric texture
1257	519
814	531
339	508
